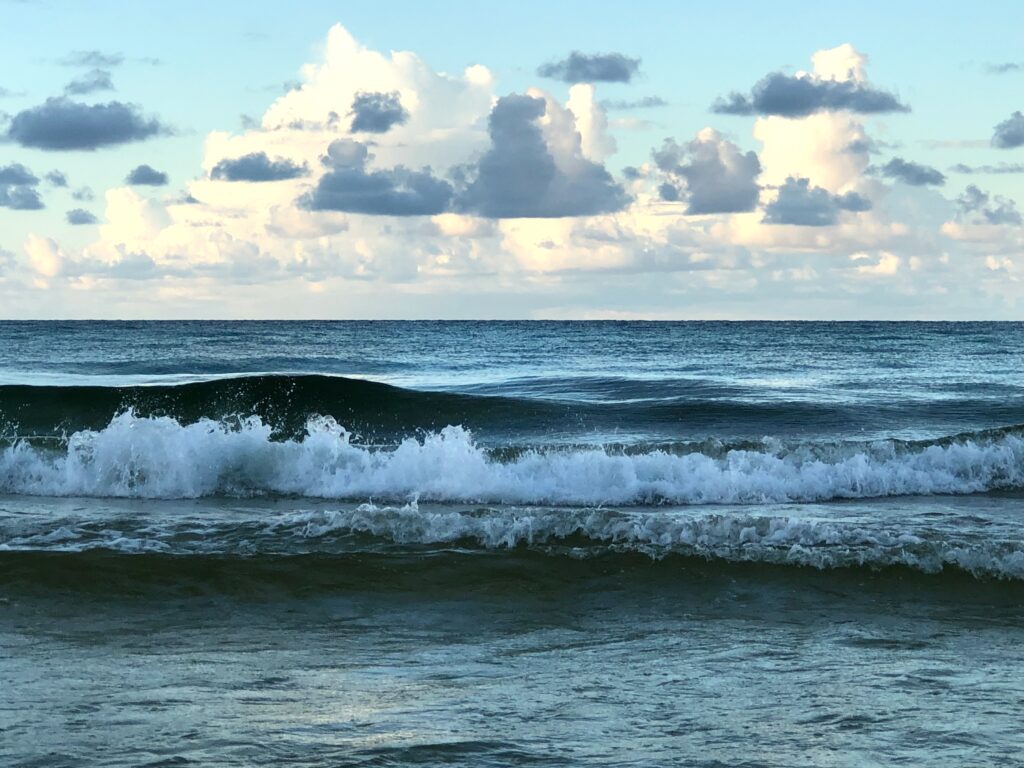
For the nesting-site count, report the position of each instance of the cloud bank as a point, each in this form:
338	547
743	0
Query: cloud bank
377	185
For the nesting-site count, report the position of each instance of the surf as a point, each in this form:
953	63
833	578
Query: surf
161	458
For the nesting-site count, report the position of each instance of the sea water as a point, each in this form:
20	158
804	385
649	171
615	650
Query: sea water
491	544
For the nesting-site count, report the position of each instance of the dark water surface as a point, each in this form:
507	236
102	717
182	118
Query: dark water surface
489	544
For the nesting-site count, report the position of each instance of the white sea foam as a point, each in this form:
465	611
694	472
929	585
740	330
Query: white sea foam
160	458
732	536
782	540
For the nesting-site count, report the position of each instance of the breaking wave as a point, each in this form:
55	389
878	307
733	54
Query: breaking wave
340	539
159	457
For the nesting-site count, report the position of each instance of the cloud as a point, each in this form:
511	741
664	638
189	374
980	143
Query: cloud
147	176
832	149
988	209
7	261
20	198
915	174
592	68
1004	67
299	244
377	112
798	203
1010	133
645	102
83	194
802	95
256	166
17	174
92	59
80	216
18	188
348	186
62	124
92	81
45	257
447	112
57	179
837	84
999	168
717	176
520	176
581	117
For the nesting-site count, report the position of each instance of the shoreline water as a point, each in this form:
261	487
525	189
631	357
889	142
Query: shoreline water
509	544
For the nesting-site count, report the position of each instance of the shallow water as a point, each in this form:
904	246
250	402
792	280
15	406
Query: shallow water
511	543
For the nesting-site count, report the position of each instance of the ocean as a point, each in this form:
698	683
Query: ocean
511	543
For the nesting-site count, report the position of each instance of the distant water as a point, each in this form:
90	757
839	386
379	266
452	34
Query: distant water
490	544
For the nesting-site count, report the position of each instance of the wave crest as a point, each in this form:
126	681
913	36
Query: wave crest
158	457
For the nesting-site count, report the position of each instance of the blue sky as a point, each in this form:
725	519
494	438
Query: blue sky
907	249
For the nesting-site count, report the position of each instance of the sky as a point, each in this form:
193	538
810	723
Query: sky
649	160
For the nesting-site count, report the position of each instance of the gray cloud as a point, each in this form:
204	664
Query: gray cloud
256	166
60	124
92	81
18	188
591	68
914	174
83	195
645	102
996	169
348	186
863	146
986	208
311	125
377	112
518	177
1010	133
79	216
869	146
717	176
669	192
20	198
802	205
802	95
57	179
92	59
146	175
17	174
1004	67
